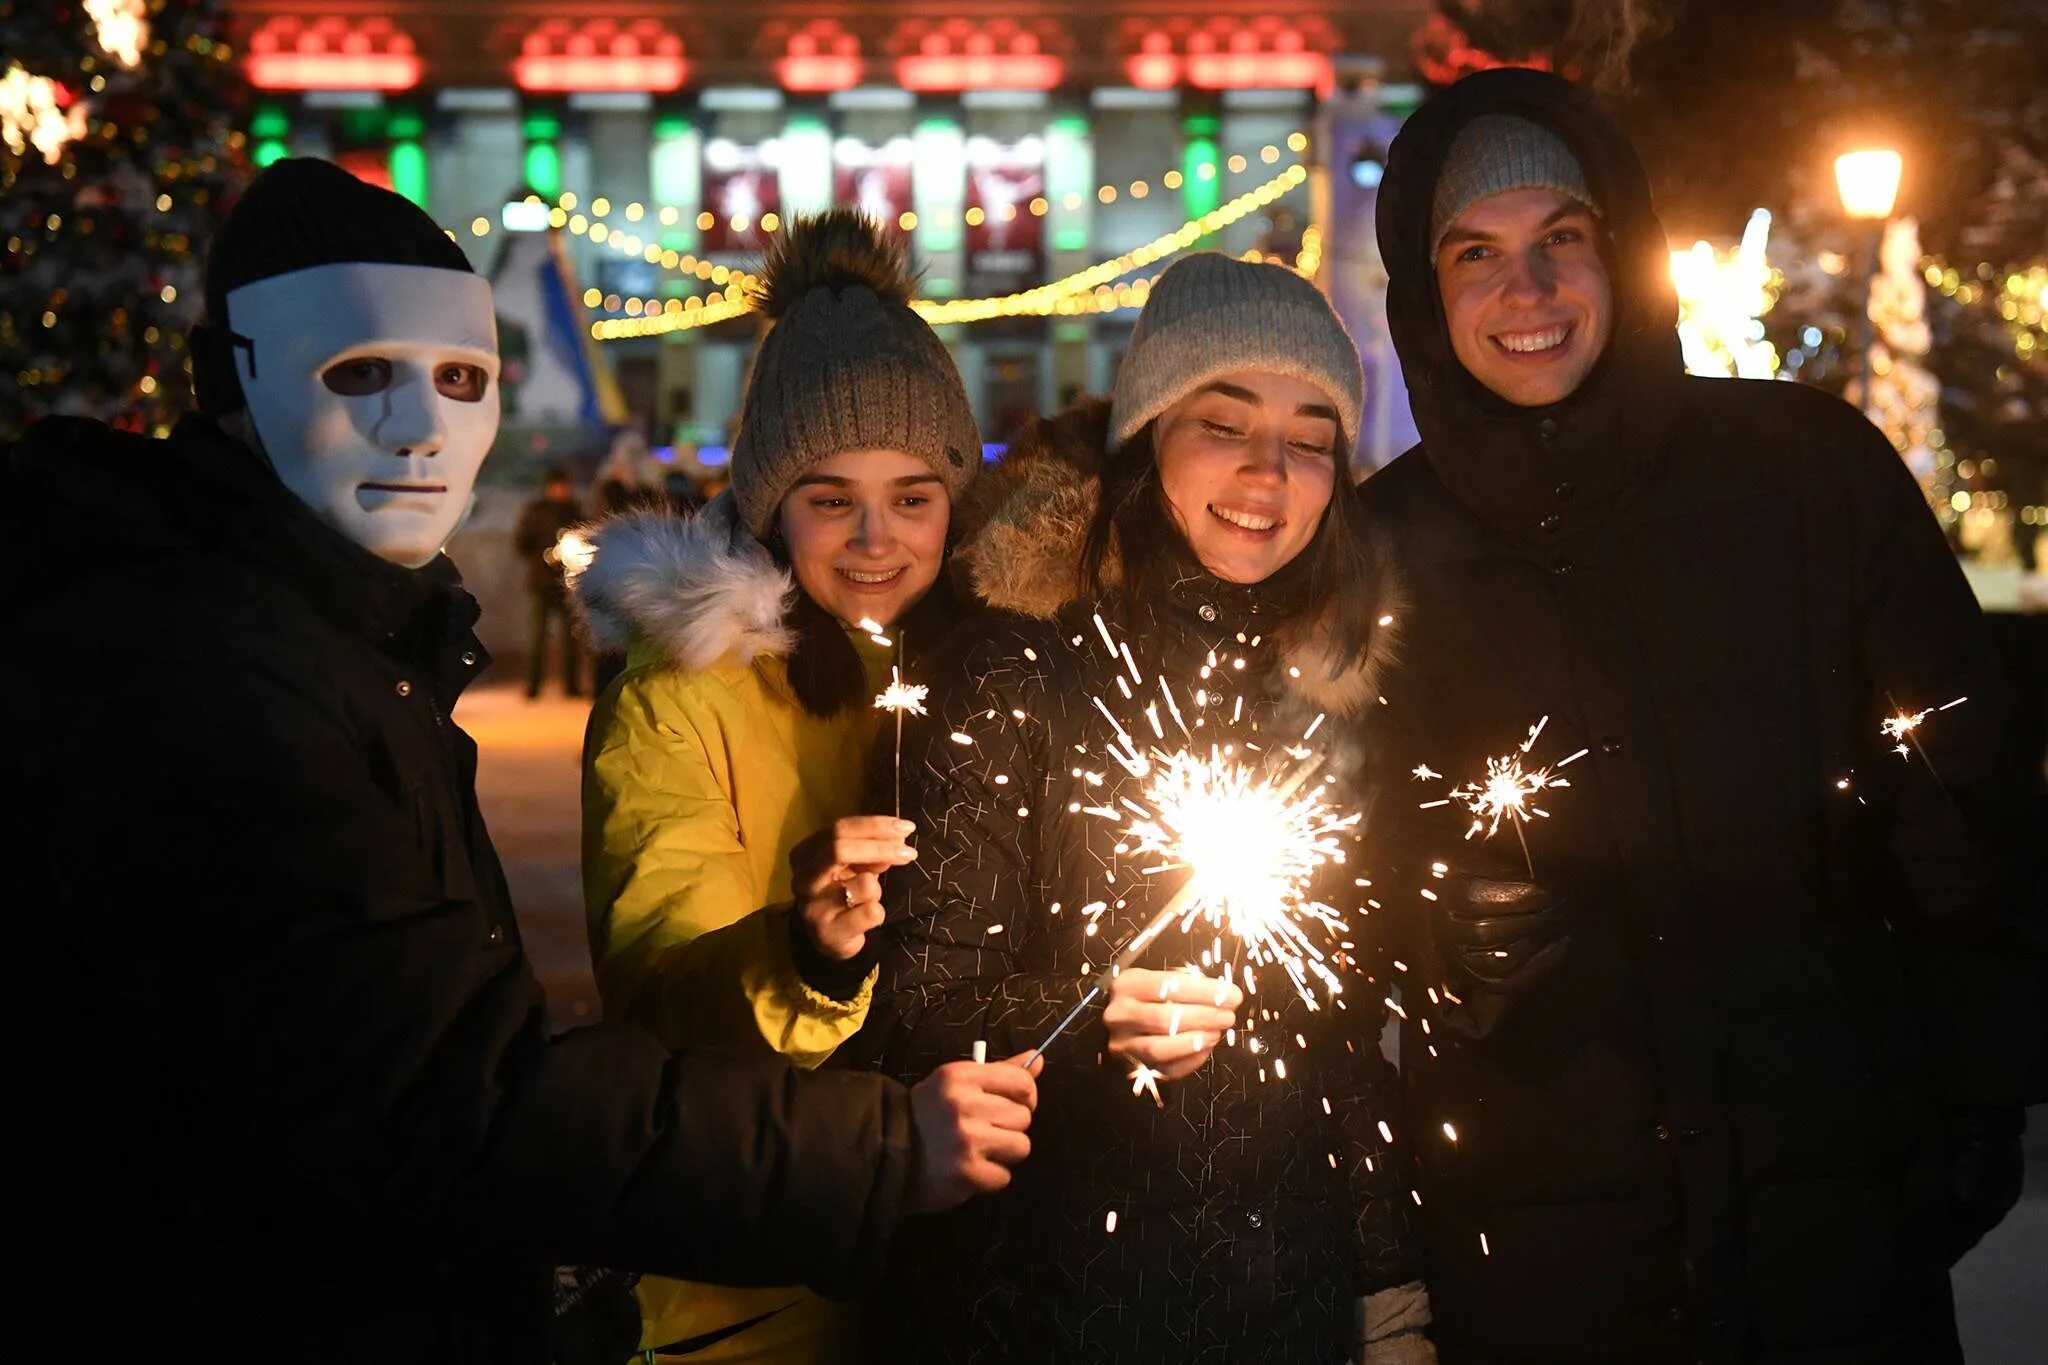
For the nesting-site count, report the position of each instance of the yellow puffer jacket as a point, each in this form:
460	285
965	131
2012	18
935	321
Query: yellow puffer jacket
701	771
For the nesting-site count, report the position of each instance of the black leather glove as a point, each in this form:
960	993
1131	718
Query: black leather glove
1985	1170
1499	938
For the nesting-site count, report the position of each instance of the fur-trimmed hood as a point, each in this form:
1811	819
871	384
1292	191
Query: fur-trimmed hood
1022	527
699	587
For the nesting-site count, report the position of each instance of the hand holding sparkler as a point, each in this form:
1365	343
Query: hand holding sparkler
1169	1022
836	875
972	1123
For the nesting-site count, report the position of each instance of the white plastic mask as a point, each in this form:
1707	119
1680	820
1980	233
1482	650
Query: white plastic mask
373	389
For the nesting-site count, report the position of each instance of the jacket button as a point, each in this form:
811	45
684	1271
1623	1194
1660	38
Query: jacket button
496	936
1679	1316
1551	522
1206	612
1563	567
1565	490
1610	746
1691	1134
404	688
469	657
1663	1132
1254	1219
1548	428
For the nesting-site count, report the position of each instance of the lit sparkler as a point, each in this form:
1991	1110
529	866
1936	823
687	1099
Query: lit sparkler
1900	727
898	697
1507	792
1250	841
1144	1080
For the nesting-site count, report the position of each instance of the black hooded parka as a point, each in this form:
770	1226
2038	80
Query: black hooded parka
1720	1130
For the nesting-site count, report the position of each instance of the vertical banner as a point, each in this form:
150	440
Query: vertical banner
875	180
1005	240
740	185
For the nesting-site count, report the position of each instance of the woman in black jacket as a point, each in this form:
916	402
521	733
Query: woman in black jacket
1193	1194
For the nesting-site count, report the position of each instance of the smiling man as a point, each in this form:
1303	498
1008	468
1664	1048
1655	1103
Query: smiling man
1743	1074
266	935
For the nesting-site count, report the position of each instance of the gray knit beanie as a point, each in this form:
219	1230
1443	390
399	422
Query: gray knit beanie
847	366
1209	314
1495	153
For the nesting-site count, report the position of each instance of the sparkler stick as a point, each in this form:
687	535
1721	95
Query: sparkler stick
898	697
1142	940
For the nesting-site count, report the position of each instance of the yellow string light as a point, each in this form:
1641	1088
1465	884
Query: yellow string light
1084	292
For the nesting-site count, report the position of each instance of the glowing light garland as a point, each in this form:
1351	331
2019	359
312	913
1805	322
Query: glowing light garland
1085	291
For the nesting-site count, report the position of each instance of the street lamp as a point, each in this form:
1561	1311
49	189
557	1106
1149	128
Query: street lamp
1868	180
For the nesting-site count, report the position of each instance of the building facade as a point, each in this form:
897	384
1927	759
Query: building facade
1044	158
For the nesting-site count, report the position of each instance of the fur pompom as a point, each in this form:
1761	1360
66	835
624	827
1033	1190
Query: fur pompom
836	248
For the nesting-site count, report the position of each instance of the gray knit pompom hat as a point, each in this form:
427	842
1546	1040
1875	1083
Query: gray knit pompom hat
1209	314
846	366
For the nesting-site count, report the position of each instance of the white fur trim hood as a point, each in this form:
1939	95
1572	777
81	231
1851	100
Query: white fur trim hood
698	587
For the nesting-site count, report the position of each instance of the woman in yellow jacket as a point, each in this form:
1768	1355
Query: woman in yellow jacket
729	876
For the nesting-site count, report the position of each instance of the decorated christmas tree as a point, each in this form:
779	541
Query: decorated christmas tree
118	152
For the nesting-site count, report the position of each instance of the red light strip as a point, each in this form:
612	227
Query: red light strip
333	70
818	71
992	71
1257	70
558	72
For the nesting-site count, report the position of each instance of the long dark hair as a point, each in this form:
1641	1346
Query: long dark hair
825	670
1329	584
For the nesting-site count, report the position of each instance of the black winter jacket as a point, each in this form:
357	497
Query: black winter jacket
1717	1132
1259	1199
288	1091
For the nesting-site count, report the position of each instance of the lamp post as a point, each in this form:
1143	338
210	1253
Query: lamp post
1868	180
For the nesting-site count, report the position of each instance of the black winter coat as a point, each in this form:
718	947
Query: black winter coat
1717	1132
283	1072
1259	1199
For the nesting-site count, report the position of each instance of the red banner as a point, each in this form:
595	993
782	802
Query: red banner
1005	239
739	188
875	180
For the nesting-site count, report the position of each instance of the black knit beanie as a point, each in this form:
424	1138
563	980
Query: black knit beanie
302	212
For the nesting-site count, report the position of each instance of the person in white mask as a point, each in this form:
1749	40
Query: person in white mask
292	1060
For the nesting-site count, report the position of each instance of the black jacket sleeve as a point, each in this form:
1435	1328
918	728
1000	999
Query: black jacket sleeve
1965	803
266	914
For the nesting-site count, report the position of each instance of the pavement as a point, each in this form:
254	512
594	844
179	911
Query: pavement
529	774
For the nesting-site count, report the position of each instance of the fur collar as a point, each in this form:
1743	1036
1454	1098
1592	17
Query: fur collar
699	588
1023	523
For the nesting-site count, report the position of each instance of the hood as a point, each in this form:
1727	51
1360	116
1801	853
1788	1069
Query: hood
699	588
1493	454
1022	528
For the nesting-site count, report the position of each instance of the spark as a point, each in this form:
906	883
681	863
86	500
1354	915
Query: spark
1250	842
573	551
1145	1080
902	696
1506	793
1109	1223
1900	727
1422	772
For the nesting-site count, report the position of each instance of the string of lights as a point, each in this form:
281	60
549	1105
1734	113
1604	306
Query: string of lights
1086	291
570	213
